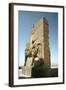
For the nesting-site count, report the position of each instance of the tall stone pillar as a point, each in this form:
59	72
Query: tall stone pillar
38	45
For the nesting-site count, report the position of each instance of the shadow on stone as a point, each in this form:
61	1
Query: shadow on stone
40	69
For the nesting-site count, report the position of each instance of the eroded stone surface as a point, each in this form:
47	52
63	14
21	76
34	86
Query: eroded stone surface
39	42
38	45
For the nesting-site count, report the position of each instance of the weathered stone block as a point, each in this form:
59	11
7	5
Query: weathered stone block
37	46
27	71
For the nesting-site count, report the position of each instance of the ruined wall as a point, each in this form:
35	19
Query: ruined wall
39	42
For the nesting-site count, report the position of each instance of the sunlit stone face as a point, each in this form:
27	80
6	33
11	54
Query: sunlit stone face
39	42
38	47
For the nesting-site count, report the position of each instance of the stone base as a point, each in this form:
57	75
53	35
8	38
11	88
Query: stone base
27	71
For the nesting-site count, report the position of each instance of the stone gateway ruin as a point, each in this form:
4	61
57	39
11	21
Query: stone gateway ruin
37	48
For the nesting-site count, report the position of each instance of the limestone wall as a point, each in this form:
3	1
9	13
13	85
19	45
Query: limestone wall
39	41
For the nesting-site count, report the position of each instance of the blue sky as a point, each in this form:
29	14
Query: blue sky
25	21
